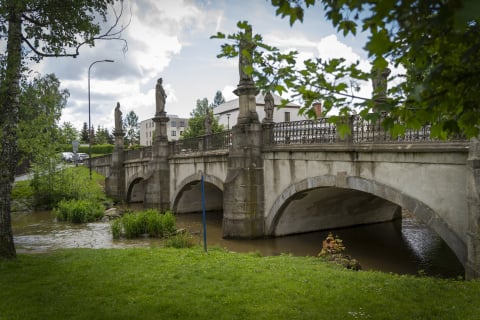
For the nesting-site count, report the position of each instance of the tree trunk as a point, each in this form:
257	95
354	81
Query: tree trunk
9	123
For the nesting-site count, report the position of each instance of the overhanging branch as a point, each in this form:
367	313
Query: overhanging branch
111	34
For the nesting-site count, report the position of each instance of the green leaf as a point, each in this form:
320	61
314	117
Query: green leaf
343	129
348	26
397	130
219	35
379	43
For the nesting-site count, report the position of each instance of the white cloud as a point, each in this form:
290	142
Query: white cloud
170	39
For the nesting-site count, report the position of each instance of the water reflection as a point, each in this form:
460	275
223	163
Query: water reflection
403	246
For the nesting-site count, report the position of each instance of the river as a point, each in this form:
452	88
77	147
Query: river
405	246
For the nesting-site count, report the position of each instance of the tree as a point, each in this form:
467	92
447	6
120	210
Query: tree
102	136
196	123
436	42
218	99
68	133
38	29
84	133
130	123
41	104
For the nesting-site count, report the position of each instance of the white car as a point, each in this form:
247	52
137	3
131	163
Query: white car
67	156
82	156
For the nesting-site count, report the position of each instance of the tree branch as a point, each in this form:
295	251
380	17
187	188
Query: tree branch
35	22
110	34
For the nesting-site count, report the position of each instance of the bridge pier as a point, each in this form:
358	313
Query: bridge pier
115	182
157	185
243	198
472	267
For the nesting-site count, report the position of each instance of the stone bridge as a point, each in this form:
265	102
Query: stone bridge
300	176
273	179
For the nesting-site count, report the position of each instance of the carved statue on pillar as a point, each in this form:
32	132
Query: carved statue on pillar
160	97
269	106
246	55
118	119
379	83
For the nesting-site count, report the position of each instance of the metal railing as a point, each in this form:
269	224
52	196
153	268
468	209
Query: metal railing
361	131
215	141
365	131
304	132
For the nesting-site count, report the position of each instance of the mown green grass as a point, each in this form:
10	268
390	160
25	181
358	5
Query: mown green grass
167	283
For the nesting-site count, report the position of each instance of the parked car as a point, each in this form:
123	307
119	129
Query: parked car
82	156
67	156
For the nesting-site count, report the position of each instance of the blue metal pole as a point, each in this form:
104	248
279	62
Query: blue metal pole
204	217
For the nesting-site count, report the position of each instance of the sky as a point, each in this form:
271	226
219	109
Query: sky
171	39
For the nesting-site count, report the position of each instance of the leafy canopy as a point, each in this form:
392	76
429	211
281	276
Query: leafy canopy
437	43
196	123
132	128
41	105
60	28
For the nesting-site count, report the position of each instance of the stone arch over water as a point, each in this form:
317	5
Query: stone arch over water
360	201
136	189
187	196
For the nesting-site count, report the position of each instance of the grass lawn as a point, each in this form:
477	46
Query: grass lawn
165	283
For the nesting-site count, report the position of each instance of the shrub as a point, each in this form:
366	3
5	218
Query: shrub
180	240
150	222
332	251
78	211
168	223
22	190
97	149
116	228
66	184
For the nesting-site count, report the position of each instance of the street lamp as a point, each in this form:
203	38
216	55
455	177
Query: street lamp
89	118
228	121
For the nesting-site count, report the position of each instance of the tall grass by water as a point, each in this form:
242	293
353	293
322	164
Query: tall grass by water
148	222
152	283
79	211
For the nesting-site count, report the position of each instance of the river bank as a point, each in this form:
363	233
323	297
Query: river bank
403	246
153	283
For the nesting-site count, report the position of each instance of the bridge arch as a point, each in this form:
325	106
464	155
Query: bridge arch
187	196
370	191
136	189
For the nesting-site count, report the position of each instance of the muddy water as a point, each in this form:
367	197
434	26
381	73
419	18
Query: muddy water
404	246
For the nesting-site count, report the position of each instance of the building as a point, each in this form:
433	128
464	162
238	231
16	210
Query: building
227	113
175	127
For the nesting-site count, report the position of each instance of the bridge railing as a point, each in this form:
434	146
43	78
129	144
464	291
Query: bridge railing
367	131
216	141
138	154
320	131
304	132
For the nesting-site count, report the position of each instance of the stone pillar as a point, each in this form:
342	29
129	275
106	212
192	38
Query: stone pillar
472	267
380	87
267	127
115	182
157	185
243	199
349	137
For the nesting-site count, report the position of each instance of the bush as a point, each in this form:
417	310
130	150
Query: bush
97	149
116	228
149	222
180	240
78	211
66	184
